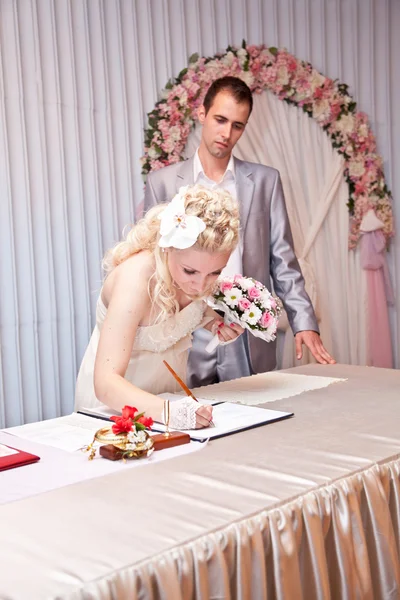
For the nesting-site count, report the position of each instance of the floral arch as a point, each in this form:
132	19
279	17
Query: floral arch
297	83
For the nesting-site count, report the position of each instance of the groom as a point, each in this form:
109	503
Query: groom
265	250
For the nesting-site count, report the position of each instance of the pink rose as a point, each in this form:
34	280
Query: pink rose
266	320
254	293
226	286
244	304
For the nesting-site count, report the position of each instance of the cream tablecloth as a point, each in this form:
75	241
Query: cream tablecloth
305	508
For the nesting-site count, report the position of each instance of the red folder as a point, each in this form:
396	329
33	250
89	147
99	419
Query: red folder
18	459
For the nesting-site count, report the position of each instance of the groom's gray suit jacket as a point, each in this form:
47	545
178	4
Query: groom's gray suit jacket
267	241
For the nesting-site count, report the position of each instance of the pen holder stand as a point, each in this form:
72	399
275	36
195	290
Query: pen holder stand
170	439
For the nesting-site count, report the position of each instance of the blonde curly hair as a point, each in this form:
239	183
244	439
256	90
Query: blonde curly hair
220	213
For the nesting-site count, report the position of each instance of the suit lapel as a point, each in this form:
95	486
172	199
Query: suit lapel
245	190
185	174
245	184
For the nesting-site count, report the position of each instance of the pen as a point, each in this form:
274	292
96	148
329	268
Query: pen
182	384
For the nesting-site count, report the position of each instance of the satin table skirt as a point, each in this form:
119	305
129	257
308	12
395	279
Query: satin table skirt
306	508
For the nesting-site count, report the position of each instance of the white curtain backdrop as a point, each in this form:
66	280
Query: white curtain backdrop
77	78
316	193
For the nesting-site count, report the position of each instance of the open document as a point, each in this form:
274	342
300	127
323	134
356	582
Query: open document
228	418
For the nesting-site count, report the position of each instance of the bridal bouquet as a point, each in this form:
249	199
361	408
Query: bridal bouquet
247	303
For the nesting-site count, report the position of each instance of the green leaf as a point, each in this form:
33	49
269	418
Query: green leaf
193	58
140	427
153	122
273	50
181	74
244	44
350	206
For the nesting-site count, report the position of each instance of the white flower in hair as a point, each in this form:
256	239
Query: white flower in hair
177	229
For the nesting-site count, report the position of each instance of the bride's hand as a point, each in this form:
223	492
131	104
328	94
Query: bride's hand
226	333
186	413
203	416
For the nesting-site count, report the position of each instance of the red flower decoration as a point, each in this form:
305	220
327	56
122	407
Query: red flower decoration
146	421
128	421
122	425
128	412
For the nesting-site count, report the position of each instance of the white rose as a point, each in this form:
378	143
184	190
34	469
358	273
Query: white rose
316	80
345	123
153	153
283	76
212	64
356	169
246	284
265	299
228	59
247	77
320	110
242	56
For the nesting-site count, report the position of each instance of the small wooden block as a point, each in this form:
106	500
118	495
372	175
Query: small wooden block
111	452
168	440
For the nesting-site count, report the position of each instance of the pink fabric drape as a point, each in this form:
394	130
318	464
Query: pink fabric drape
380	294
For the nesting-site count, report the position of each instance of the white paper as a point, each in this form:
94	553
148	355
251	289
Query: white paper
229	418
67	433
57	469
6	451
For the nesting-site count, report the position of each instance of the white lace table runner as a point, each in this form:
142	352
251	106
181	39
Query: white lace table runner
264	387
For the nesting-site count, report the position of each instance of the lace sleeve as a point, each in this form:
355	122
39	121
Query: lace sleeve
182	413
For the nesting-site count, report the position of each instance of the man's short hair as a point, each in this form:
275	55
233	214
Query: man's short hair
235	86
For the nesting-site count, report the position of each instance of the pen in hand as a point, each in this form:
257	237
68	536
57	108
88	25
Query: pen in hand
183	385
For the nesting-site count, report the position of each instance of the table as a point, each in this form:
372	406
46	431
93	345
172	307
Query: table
304	508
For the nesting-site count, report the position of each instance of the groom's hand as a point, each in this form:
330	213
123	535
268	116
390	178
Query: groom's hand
312	340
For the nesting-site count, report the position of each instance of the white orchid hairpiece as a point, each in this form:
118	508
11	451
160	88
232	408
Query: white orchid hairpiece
177	229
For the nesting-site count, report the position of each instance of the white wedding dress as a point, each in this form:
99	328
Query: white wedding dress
169	340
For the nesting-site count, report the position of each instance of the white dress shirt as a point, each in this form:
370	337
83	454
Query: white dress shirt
228	183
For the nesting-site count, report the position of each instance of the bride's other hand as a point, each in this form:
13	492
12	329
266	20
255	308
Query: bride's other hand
203	416
226	333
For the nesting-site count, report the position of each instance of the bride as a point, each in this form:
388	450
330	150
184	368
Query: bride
151	302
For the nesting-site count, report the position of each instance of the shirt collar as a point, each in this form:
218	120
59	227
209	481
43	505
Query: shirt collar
198	168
